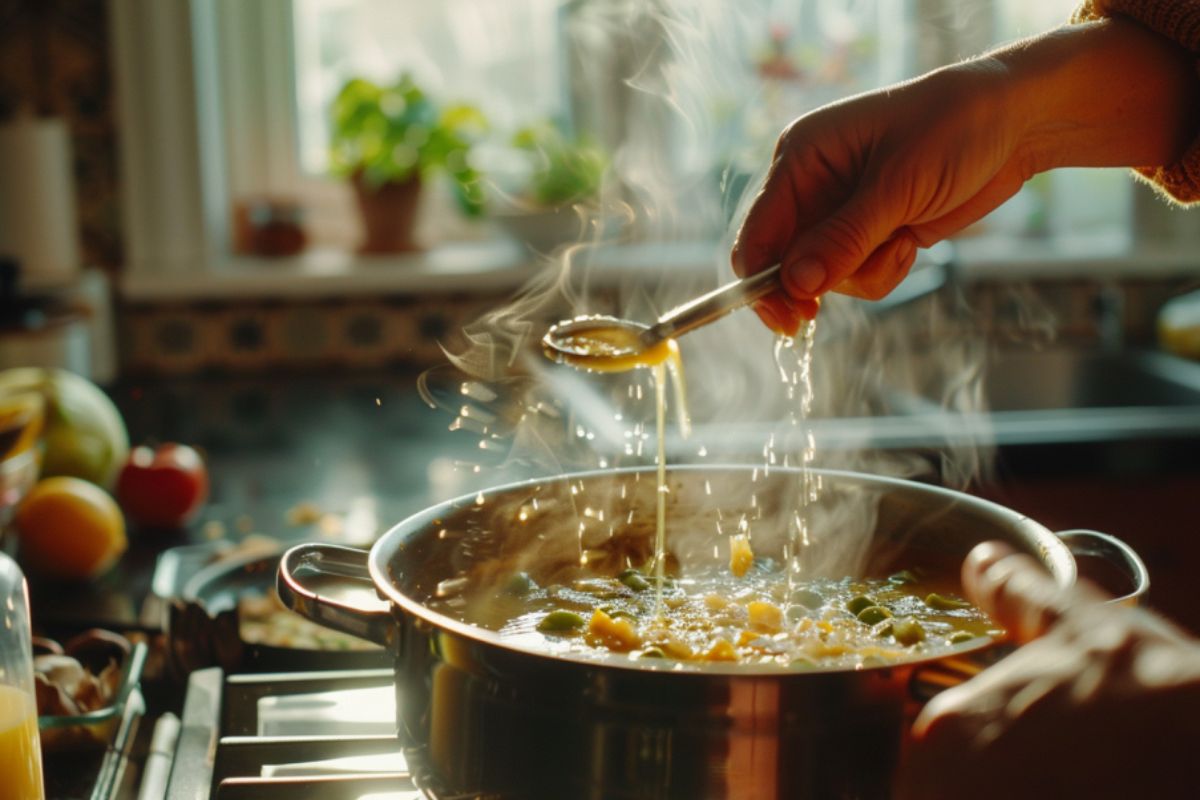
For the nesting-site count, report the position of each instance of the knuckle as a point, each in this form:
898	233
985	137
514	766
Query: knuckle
848	235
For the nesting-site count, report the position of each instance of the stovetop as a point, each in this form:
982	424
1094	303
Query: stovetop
319	735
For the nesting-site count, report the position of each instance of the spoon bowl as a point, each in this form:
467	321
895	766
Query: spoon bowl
590	341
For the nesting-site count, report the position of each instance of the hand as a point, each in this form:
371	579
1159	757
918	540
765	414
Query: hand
1100	701
857	186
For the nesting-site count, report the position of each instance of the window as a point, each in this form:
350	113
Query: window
685	96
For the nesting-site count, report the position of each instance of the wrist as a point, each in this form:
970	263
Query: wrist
1107	93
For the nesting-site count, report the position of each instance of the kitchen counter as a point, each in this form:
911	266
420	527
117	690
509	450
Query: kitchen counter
290	457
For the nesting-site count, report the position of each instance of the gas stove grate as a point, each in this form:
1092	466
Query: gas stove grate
222	753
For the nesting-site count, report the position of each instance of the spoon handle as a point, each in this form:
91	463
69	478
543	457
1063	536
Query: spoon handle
712	306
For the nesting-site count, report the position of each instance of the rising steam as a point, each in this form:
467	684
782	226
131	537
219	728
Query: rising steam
676	97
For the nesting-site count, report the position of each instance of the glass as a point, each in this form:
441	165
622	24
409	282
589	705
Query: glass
20	750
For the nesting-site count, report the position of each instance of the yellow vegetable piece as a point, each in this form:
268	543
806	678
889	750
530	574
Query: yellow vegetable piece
765	617
715	602
741	557
615	634
721	650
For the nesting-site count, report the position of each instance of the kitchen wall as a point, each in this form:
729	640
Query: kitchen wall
54	60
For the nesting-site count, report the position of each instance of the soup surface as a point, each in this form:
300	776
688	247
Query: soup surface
715	616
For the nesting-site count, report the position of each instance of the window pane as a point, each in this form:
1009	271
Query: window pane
500	55
685	96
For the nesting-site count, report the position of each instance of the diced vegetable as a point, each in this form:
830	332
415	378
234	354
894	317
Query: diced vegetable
902	578
764	616
872	615
561	621
520	584
808	598
615	634
721	650
634	580
943	603
857	603
908	631
958	637
741	556
715	602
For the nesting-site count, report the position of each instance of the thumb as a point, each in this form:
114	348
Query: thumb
1018	593
826	254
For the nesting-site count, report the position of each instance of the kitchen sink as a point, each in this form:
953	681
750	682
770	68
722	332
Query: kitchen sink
1050	397
1066	395
1066	378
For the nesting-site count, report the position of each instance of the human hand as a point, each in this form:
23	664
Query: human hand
1100	701
857	186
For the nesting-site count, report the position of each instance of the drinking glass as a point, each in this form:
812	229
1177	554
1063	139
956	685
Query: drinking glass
20	751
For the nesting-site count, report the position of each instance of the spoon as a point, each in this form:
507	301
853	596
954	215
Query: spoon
570	339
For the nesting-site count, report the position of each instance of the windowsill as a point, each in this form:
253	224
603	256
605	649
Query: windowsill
493	266
504	266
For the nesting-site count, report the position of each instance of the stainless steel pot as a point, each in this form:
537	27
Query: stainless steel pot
480	716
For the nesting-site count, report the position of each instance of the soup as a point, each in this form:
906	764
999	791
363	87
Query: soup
713	616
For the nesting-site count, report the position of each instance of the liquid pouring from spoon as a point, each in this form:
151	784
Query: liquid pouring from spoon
610	344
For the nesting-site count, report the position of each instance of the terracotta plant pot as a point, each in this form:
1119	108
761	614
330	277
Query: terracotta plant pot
389	214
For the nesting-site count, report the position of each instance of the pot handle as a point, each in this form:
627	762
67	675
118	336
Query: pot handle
345	611
1086	546
1093	548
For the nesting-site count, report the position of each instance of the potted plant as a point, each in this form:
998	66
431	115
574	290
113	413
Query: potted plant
560	186
387	139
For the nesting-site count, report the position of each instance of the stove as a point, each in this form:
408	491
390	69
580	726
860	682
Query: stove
296	735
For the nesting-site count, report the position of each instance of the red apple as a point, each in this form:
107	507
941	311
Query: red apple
164	487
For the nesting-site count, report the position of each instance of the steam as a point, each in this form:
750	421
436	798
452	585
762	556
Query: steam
680	80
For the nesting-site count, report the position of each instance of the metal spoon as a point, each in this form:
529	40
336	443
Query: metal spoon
567	338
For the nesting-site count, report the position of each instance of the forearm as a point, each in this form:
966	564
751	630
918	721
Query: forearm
1108	93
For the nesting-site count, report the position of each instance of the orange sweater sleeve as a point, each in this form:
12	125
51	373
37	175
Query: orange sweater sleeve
1178	20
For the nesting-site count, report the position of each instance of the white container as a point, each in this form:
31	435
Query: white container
37	202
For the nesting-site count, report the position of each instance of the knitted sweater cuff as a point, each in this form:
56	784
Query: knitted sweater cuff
1178	20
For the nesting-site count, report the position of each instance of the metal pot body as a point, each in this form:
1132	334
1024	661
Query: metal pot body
479	716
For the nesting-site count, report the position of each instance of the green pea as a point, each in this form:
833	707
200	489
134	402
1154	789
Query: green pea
616	612
958	637
808	598
560	621
872	615
857	603
943	603
883	629
634	580
908	631
902	578
653	652
520	584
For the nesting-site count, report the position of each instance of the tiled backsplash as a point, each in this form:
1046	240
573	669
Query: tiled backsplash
177	338
180	338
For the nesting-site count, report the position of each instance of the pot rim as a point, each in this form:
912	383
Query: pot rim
1054	553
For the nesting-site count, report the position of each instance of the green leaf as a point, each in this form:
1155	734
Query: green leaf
390	133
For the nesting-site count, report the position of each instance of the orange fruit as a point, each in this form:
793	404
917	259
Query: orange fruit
69	528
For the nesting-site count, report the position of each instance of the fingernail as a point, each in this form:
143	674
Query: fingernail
807	275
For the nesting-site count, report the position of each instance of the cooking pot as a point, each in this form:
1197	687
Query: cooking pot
481	716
